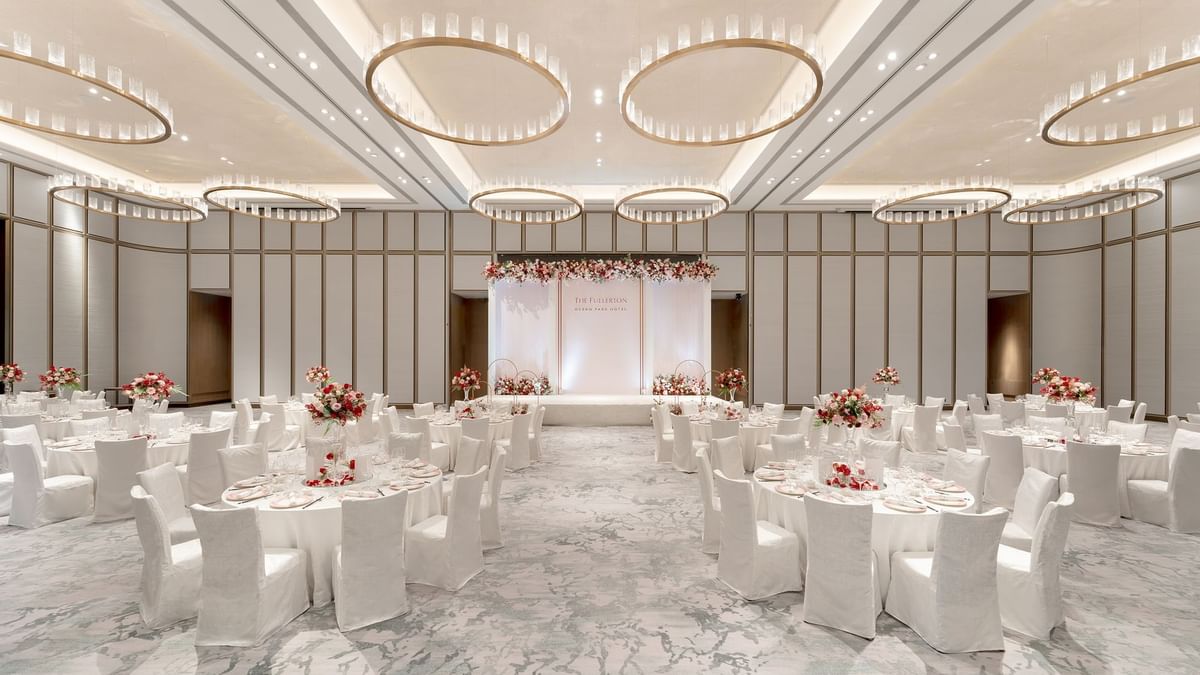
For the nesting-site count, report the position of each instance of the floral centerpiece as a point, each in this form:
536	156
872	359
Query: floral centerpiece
842	476
887	376
1062	388
1045	375
335	405
10	374
675	409
731	381
505	386
465	380
151	386
59	378
467	413
318	375
732	413
519	408
851	408
679	385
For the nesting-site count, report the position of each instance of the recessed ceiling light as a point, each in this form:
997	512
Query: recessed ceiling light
862	119
260	55
1121	92
332	118
105	97
795	155
324	111
598	93
978	163
426	179
920	67
93	91
986	161
827	151
1105	99
891	56
224	159
871	112
302	55
932	55
271	65
402	179
1028	138
184	138
829	119
366	119
312	65
358	111
837	111
770	180
881	66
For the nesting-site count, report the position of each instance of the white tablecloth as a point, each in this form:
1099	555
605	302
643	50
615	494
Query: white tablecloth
80	460
451	433
749	436
1052	459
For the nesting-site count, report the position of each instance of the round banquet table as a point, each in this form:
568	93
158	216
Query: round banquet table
750	436
317	530
1051	458
450	433
891	531
80	459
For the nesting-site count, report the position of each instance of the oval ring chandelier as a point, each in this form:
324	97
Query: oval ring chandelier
1057	131
408	113
502	203
787	107
155	129
126	199
271	199
1081	202
631	205
994	193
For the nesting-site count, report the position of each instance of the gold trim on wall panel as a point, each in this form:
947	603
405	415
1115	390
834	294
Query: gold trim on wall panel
1167	229
353	294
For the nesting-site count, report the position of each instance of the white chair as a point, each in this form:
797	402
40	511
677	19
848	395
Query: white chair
535	445
17	421
117	466
968	470
471	456
37	500
985	423
481	429
171	573
162	483
1054	425
757	558
782	448
368	566
248	591
423	409
949	596
976	405
690	407
683	455
222	419
842	581
26	434
1056	410
938	402
922	435
1139	413
239	462
1119	413
446	550
787	426
268	399
1173	503
489	505
995	402
956	438
517	445
1004	472
437	454
725	429
1134	433
105	413
710	541
1037	489
1030	595
1175	424
726	456
959	413
406	445
775	410
163	425
284	436
245	426
664	438
203	470
1092	475
88	427
887	451
894	400
1012	412
267	431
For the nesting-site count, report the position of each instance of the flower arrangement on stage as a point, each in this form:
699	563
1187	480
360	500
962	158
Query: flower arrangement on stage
1045	375
598	270
524	386
318	375
60	377
731	381
851	408
465	380
505	386
151	386
336	404
1062	388
842	476
886	375
11	373
679	385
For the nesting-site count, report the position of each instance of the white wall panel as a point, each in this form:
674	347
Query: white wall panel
599	231
245	231
151	233
152	324
1185	200
837	231
1151	218
68	299
768	328
432	371
102	315
568	236
629	235
400	311
1009	273
539	237
508	236
869	234
68	216
836	340
339	232
870	328
210	270
277	325
1066	314
431	231
102	225
468	272
368	230
689	237
937	327
29	196
1118	323
940	236
339	315
1050	237
769	231
1118	226
727	232
1007	236
307	333
970	320
804	231
1185	321
400	235
277	235
4	169
1149	311
31	301
368	353
972	233
802	362
307	237
247	326
731	272
660	238
904	237
903	321
472	232
212	232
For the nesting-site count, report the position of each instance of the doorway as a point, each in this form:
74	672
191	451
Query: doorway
1009	344
468	333
730	330
210	347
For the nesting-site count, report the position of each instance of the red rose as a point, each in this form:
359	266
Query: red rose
329	455
351	465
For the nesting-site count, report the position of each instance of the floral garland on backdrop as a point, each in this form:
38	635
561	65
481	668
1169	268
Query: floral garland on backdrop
11	373
731	381
524	386
851	408
151	387
598	270
679	385
1066	388
65	377
1045	375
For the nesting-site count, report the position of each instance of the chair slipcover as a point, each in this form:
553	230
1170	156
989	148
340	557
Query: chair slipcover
1120	413
24	434
888	451
244	425
1092	475
406	445
437	454
471	456
938	402
164	424
1135	433
690	407
949	596
710	541
222	419
1037	489
37	500
1057	410
1057	425
757	558
984	423
782	448
726	456
1139	413
117	466
517	445
787	426
489	505
1173	503
725	429
162	483
446	550
976	405
1030	595
1012	412
171	573
955	437
480	428
883	432
239	462
842	585
1004	472
894	400
282	436
664	439
535	447
247	592
995	402
922	436
423	409
368	566
17	421
968	470
204	480
106	413
775	410
268	399
683	456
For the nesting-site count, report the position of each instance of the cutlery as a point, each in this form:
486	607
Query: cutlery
313	502
926	505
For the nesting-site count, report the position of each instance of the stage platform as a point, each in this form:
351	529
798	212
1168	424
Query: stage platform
591	410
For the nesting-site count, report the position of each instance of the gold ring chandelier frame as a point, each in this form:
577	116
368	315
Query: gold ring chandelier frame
1100	199
150	201
537	60
320	208
653	58
481	202
715	200
1055	129
155	129
889	210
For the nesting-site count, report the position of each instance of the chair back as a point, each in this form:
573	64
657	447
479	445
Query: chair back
1006	468
406	445
222	419
938	402
28	483
520	434
480	428
234	565
241	427
995	402
787	446
89	404
739	526
1056	410
707	488
925	419
495	474
420	425
1139	413
98	413
959	413
1183	500
725	429
1037	489
681	427
470	452
239	462
164	424
987	423
887	453
15	421
976	405
462	515
1012	412
775	410
1182	438
1092	475
1120	413
955	438
690	407
839	580
969	471
162	482
787	426
204	480
88	427
1057	425
373	538
276	424
1049	542
117	466
964	563
423	409
537	424
26	434
153	534
894	400
1135	433
268	399
727	456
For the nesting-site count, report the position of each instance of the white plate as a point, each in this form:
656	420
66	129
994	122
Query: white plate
253	481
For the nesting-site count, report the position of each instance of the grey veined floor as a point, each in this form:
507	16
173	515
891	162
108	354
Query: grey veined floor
601	572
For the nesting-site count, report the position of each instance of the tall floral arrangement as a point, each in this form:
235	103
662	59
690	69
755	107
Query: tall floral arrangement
318	375
851	408
731	381
337	404
1066	388
525	386
599	270
886	375
151	386
60	377
465	380
11	373
1045	375
679	385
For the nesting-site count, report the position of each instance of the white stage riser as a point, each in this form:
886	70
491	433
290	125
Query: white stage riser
580	410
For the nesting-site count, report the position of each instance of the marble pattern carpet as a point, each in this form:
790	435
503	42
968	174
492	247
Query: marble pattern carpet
601	573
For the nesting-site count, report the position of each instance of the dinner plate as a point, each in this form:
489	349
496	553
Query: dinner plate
904	505
246	494
792	490
407	485
294	501
253	481
426	473
769	475
945	486
945	500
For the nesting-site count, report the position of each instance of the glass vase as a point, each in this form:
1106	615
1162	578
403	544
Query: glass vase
10	394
